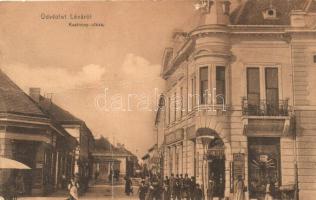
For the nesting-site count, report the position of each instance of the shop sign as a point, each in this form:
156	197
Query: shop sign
175	136
238	166
216	152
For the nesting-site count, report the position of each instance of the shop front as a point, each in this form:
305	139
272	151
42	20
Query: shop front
264	166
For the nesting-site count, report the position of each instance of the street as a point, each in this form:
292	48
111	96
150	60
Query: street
95	192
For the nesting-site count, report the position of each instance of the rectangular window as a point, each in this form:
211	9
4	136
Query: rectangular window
177	160
220	85
175	107
193	85
170	160
203	84
181	102
253	90
272	91
169	110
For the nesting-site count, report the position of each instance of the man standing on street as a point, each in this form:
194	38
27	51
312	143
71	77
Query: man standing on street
172	183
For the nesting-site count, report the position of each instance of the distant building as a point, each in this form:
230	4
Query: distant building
109	158
152	161
29	135
240	97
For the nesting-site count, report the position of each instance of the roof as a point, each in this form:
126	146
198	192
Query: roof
14	100
60	115
146	156
103	146
250	12
57	113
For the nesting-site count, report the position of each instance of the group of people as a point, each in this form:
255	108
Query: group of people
180	187
176	187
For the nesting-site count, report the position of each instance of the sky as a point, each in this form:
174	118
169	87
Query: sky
109	76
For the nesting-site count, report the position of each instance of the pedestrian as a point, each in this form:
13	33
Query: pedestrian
239	189
73	187
167	180
128	186
177	188
181	180
172	183
20	186
156	185
150	192
142	190
198	192
192	188
166	195
186	187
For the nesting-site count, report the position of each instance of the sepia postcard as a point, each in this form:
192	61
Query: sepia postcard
158	100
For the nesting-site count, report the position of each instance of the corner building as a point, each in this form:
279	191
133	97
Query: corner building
240	98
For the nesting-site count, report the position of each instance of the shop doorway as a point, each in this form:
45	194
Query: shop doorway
264	166
216	167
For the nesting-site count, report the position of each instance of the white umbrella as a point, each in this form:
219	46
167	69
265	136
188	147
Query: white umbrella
6	163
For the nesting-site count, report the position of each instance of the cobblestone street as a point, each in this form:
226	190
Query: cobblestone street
95	192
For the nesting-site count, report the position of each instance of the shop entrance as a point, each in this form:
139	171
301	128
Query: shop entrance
216	167
264	166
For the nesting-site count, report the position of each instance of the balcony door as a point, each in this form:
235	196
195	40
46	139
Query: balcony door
253	90
272	91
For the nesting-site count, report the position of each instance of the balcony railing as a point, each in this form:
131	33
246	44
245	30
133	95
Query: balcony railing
265	108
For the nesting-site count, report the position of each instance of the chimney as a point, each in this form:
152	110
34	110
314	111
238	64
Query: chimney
218	12
35	94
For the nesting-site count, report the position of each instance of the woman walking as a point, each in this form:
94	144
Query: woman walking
128	186
73	190
239	189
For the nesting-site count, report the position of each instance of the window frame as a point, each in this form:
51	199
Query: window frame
203	98
262	67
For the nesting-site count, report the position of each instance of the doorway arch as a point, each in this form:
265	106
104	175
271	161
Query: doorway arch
216	162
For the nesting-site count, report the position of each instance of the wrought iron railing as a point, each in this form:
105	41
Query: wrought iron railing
265	108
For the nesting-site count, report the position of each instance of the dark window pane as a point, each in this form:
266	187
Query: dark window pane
220	85
271	78
204	73
272	91
203	84
253	80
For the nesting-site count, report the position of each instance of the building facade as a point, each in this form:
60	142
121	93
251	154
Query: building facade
240	98
30	136
77	128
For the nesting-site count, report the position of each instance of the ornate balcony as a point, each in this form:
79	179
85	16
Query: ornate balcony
266	119
265	108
